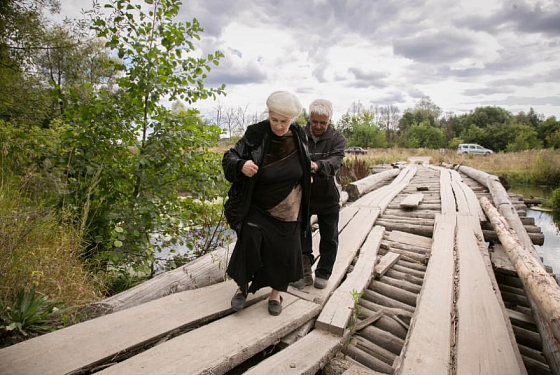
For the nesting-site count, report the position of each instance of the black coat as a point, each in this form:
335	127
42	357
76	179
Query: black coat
328	153
254	146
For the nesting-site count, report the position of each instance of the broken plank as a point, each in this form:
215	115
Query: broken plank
412	201
501	261
385	263
410	239
98	341
208	350
337	310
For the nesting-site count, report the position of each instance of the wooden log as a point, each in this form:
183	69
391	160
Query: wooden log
206	270
406	254
374	350
368	360
386	244
410	271
418	214
407	220
369	320
527	337
403	284
422	230
358	188
394	292
386	263
382	338
384	300
390	325
399	275
412	201
535	367
370	308
492	236
412	265
532	353
541	286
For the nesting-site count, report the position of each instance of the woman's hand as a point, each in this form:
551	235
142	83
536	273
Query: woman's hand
249	169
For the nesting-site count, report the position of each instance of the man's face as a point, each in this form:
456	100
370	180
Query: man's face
319	124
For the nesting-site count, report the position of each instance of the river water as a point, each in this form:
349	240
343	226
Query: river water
549	224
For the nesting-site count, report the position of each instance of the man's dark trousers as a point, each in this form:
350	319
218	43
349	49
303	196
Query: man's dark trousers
328	246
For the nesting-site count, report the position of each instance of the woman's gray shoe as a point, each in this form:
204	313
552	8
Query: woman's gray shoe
274	306
238	301
320	283
307	278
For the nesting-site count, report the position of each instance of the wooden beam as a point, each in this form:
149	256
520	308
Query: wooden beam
358	188
410	239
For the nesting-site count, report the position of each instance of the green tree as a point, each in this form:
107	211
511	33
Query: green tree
526	138
553	140
422	135
127	156
367	136
547	129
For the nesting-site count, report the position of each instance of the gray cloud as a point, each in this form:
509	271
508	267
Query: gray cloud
440	47
489	90
519	16
526	101
415	93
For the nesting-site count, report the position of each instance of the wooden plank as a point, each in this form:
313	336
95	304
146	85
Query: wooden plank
501	260
412	201
350	240
210	350
359	370
337	310
520	318
433	309
446	192
385	263
474	204
409	239
88	344
307	356
479	311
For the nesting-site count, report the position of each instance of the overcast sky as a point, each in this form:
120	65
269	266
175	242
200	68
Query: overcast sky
461	53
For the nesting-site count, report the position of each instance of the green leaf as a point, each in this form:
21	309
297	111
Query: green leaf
119	229
117	243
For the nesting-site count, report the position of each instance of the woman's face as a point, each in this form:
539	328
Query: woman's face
278	123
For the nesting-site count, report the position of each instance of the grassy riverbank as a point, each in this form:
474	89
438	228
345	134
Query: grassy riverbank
527	167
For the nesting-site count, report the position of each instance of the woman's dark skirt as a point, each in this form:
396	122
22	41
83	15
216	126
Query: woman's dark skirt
267	253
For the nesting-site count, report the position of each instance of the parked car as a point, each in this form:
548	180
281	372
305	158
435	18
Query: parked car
474	149
355	151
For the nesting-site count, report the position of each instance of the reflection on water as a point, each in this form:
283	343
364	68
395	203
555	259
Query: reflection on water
548	222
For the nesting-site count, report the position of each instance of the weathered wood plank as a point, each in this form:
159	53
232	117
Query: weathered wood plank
446	191
501	260
350	240
479	311
337	311
359	188
97	341
306	356
409	239
385	263
248	332
433	308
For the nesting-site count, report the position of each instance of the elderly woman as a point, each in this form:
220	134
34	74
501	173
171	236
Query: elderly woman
268	202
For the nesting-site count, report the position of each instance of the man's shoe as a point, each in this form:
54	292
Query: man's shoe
307	278
238	301
303	282
320	283
275	307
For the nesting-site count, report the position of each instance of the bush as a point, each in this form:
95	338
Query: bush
555	200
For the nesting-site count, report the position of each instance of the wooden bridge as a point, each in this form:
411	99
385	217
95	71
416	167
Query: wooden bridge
421	285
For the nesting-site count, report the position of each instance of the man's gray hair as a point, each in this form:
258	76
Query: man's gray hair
321	107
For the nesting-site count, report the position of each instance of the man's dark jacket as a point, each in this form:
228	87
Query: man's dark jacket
254	146
328	153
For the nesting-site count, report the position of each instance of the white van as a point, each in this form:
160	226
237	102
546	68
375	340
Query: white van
474	149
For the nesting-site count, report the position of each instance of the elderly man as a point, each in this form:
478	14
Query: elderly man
326	148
